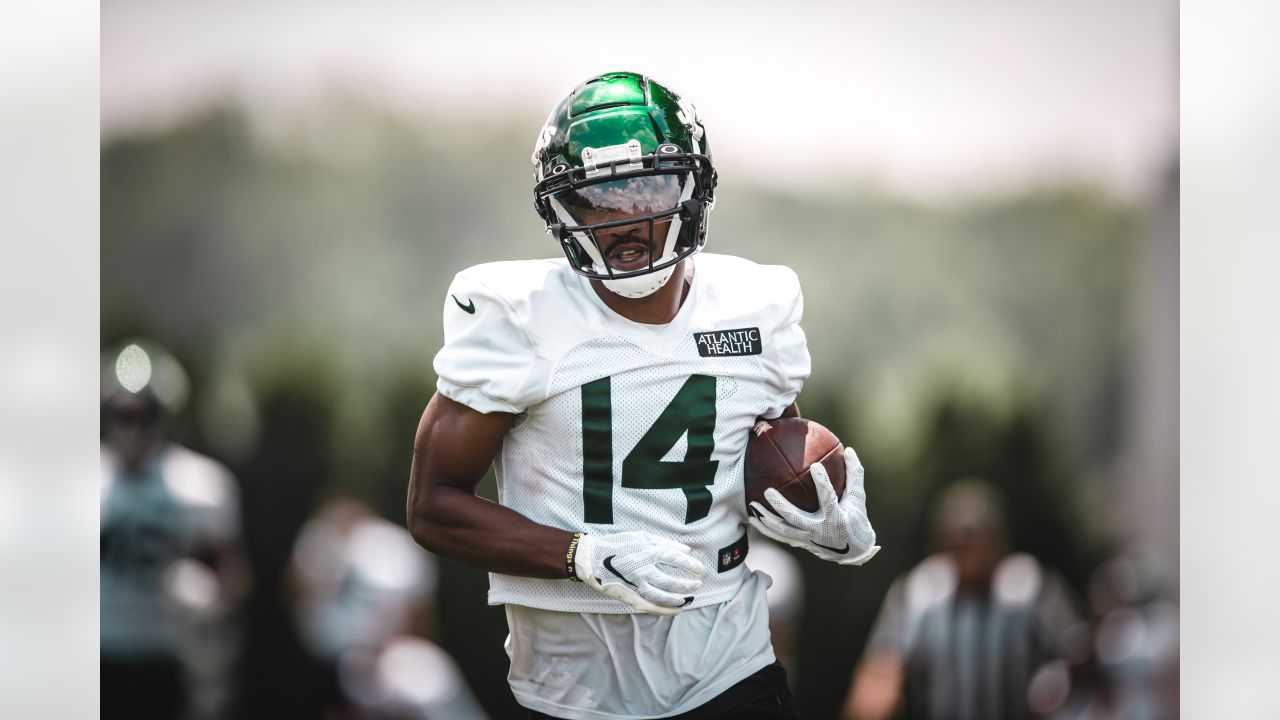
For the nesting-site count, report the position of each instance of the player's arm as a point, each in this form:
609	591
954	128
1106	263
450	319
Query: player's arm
227	563
453	450
489	370
877	688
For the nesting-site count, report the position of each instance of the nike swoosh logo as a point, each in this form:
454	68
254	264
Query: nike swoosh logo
687	601
840	551
609	564
470	307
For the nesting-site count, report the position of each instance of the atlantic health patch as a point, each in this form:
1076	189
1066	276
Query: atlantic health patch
726	343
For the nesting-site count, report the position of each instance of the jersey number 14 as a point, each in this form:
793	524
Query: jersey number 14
692	411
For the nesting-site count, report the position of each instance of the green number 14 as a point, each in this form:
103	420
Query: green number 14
692	411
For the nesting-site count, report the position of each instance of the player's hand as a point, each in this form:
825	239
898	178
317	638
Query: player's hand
647	572
839	530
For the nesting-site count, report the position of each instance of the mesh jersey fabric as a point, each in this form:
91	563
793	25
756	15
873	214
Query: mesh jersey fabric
177	502
538	342
603	666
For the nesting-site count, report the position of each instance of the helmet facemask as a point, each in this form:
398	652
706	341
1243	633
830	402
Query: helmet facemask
630	231
627	230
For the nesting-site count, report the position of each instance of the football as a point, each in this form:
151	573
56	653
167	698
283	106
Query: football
779	453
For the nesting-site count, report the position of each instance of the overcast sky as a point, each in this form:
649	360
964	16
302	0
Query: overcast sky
932	97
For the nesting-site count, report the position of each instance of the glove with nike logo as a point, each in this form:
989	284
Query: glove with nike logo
838	530
647	572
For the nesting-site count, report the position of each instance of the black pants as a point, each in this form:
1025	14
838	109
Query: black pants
762	695
150	689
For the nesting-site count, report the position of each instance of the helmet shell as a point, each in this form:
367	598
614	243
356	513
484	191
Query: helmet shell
611	109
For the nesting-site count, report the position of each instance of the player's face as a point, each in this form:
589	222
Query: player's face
132	428
976	552
629	245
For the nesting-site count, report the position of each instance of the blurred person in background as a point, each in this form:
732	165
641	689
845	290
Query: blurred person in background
972	632
614	390
172	571
363	595
1136	640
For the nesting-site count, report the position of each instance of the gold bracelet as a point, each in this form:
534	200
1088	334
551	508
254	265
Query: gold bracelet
569	564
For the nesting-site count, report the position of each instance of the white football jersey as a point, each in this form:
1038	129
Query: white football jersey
608	666
620	425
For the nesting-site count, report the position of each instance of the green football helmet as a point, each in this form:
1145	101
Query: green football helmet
624	181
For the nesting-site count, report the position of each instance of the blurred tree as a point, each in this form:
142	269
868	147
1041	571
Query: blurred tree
1014	451
282	485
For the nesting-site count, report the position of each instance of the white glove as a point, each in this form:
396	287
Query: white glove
647	572
838	530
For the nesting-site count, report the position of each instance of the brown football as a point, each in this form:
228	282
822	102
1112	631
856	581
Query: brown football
779	453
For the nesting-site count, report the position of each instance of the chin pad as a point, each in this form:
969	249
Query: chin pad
641	285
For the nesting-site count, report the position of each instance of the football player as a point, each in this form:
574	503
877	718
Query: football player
362	589
972	631
171	563
613	391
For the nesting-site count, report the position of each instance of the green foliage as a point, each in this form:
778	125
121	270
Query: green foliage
342	229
